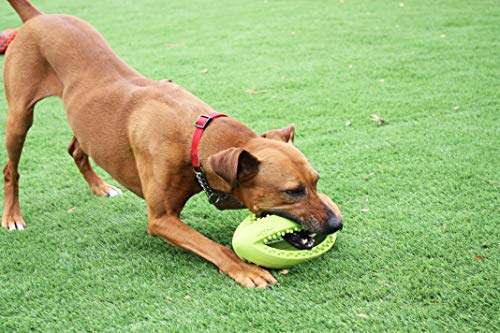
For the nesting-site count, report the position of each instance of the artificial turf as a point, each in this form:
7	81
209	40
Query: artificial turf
420	194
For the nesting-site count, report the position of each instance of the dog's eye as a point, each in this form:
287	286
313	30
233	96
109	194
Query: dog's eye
296	192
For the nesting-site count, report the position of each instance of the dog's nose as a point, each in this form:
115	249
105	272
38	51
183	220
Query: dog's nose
333	224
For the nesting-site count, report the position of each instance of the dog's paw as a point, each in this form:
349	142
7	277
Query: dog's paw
251	276
114	191
13	222
106	190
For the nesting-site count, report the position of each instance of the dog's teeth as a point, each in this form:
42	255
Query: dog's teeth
303	241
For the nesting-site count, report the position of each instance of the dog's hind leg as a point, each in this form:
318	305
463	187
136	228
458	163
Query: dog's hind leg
28	78
21	99
97	185
19	120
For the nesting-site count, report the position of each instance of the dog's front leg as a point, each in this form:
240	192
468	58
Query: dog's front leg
177	233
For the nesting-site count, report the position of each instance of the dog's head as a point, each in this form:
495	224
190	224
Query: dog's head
271	176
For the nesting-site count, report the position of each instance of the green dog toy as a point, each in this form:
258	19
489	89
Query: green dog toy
267	242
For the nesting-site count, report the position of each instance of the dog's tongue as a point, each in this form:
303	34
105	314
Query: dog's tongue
302	240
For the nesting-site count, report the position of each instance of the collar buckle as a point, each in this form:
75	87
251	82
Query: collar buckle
203	121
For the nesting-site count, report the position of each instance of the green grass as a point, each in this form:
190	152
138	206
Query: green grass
420	194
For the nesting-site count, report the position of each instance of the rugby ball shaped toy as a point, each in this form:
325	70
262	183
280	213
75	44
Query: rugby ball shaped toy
276	242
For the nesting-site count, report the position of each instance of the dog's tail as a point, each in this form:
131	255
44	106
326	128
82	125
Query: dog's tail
24	9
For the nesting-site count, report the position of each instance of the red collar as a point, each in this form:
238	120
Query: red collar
214	196
200	124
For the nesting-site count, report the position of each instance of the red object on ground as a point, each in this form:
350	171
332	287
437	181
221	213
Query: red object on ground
6	38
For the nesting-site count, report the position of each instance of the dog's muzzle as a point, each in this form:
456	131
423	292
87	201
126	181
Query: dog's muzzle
333	224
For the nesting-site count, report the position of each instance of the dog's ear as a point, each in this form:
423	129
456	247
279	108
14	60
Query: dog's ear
234	165
283	134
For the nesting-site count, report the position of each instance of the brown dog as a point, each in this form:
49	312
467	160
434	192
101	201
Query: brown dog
141	131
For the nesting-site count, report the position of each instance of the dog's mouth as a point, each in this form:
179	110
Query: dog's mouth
300	239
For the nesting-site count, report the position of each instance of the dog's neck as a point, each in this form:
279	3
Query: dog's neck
236	135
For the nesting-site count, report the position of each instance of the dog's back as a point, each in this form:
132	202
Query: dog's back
67	45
